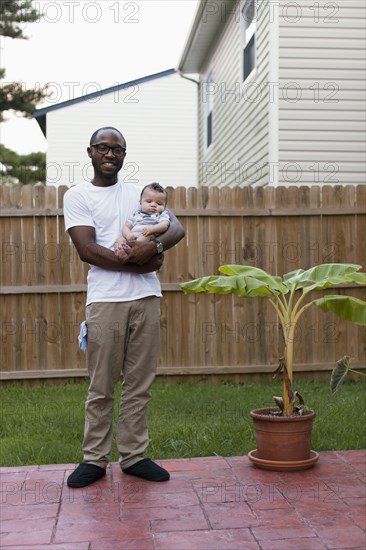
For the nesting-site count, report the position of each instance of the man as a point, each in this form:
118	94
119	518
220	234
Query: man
122	312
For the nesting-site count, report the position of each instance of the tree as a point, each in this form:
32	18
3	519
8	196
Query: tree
24	169
14	12
13	95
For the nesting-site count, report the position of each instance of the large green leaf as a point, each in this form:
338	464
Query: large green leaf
241	286
237	269
198	285
232	284
293	277
359	278
322	272
324	275
345	307
226	285
273	282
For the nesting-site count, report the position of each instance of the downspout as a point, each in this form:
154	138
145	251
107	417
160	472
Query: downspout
273	109
198	93
187	77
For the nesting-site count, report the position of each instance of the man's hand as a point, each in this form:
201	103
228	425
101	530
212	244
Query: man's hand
121	248
141	252
154	264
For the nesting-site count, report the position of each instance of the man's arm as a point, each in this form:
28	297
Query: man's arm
83	237
173	234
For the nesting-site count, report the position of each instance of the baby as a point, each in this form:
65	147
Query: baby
148	222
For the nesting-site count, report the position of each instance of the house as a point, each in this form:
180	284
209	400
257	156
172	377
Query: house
157	115
281	91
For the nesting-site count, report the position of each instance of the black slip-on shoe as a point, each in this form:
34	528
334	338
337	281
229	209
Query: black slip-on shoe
84	475
147	469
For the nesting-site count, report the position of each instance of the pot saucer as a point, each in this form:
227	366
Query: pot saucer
283	465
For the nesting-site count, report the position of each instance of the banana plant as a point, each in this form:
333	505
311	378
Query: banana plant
289	296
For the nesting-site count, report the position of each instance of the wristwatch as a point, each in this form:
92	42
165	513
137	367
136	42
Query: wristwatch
159	246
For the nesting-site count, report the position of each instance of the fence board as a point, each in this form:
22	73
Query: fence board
279	229
5	266
16	259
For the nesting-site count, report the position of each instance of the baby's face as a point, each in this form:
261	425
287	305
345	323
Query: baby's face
152	202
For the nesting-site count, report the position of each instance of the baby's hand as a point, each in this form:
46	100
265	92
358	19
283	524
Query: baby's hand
121	248
147	231
120	253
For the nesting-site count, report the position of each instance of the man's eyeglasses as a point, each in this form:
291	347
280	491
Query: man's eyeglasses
103	149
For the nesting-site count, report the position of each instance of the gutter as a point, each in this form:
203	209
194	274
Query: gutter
187	77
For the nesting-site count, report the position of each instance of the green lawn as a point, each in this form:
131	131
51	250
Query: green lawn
44	424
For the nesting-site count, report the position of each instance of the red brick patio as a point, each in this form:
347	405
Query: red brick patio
210	503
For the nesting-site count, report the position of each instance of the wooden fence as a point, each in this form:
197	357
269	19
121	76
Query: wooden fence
279	229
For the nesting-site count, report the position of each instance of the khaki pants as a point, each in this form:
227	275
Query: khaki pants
123	338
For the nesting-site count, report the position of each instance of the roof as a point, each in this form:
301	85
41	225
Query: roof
208	23
40	114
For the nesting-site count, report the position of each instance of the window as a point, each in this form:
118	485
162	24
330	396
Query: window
249	27
209	129
210	90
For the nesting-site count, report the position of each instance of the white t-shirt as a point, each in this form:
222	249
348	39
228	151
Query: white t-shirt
107	209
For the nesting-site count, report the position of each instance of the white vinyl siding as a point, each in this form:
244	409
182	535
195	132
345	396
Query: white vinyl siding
158	118
322	128
239	152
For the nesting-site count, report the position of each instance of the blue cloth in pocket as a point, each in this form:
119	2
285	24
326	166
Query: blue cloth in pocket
82	338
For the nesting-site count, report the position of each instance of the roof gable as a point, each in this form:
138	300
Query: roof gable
208	23
99	93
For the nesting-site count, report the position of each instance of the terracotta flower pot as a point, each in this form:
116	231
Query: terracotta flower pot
282	442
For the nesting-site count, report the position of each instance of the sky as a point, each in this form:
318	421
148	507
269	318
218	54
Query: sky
82	46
